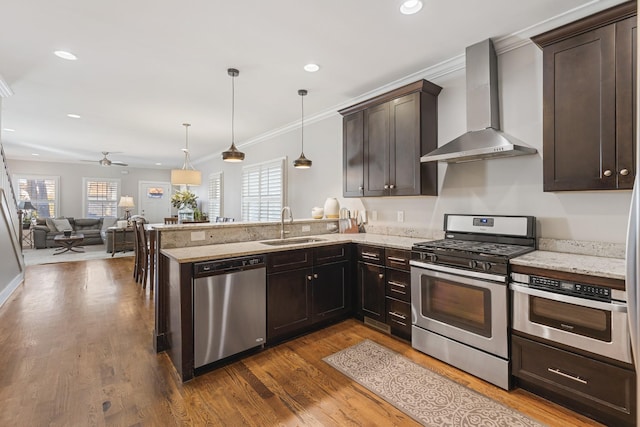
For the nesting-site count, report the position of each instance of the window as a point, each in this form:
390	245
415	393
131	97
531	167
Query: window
263	190
41	190
215	195
101	197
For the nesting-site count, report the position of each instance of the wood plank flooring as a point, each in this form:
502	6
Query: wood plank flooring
75	350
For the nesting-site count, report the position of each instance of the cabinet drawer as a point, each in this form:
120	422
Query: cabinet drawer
397	258
399	318
371	254
289	260
398	285
329	254
597	389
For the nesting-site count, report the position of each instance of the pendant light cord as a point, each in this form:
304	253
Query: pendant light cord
187	157
302	123
233	107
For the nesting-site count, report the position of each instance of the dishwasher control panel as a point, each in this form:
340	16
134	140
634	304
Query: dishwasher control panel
227	265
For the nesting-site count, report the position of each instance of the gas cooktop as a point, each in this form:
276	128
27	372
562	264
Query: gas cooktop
475	247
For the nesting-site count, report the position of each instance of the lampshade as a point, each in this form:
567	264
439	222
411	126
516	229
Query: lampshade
233	154
25	205
126	202
302	162
187	175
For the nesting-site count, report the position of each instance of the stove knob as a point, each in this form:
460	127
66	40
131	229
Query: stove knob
473	264
432	257
486	266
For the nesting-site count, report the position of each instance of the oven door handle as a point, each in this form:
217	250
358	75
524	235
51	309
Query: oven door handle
584	302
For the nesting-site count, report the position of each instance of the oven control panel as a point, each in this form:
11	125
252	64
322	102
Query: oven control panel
600	293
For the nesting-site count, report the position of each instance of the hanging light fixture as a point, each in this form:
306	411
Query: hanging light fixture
232	154
302	162
187	175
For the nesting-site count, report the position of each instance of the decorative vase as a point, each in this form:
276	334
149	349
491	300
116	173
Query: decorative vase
317	213
185	213
331	208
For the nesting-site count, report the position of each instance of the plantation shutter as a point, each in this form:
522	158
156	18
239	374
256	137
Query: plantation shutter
263	191
41	190
101	197
215	195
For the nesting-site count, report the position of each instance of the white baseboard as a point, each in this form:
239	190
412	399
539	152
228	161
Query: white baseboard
13	285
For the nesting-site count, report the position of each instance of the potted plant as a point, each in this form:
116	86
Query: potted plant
185	202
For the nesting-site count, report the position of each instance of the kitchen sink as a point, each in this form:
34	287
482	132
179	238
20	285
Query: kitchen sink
292	241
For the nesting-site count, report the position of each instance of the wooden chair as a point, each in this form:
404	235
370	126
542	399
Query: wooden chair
171	220
143	255
136	251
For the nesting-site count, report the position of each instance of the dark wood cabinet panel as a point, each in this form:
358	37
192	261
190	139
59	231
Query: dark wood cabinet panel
589	102
399	318
594	388
288	302
371	291
397	128
288	260
371	254
397	258
331	291
329	254
353	154
398	284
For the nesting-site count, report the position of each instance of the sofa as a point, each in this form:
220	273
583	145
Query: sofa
46	229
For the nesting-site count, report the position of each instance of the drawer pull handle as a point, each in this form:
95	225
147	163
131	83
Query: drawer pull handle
399	322
370	255
562	374
397	291
399	316
397	260
398	284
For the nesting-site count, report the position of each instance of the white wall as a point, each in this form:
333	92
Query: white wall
500	186
71	174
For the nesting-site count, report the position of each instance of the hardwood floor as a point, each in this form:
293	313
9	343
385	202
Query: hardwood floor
76	350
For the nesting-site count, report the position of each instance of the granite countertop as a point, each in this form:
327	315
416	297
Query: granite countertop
227	250
613	268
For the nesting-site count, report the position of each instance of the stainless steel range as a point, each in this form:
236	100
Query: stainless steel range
459	293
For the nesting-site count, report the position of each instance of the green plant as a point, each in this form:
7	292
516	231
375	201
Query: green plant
184	197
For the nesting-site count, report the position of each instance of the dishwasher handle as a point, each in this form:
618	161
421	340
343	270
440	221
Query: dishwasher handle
225	266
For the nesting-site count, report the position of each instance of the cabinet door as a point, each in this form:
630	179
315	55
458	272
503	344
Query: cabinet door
288	303
371	291
353	154
376	150
331	291
404	146
626	126
580	112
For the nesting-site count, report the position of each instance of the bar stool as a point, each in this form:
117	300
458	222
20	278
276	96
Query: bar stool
171	220
143	255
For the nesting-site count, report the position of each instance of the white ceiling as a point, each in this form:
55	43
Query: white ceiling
145	67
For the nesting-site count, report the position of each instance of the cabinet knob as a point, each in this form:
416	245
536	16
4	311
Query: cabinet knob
392	186
607	173
386	186
624	172
381	276
309	278
315	276
361	188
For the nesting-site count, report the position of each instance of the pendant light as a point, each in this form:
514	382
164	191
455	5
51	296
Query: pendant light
302	162
187	175
232	154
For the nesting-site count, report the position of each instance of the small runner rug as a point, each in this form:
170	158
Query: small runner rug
427	397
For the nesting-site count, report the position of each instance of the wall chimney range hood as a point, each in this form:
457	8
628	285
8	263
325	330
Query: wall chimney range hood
484	139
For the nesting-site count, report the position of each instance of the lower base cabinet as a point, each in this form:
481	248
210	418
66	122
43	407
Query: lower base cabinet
597	389
305	288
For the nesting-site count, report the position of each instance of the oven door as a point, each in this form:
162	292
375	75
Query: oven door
466	309
593	326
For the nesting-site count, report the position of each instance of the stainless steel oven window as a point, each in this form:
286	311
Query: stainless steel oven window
460	305
585	321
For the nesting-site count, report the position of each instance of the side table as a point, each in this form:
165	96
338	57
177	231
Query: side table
121	244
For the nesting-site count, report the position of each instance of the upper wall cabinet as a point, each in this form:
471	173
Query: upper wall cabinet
589	101
384	138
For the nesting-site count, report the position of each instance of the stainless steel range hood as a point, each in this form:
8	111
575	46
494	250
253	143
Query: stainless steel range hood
484	139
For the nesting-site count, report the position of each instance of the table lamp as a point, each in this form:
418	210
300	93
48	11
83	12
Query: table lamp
126	202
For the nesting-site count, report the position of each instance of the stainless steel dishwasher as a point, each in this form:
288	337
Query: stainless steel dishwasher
229	307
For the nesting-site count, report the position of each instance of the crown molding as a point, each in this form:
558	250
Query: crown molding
433	73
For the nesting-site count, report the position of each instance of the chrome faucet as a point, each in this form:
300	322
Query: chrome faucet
282	232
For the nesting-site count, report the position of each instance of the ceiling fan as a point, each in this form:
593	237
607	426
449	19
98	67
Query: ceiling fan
106	162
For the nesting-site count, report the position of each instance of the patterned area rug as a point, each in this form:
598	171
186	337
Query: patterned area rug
429	398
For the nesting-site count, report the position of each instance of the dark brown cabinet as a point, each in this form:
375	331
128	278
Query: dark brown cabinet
398	292
589	102
306	287
383	139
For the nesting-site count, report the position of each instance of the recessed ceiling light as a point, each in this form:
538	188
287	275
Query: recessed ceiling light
35	154
65	55
312	68
409	7
8	130
158	164
73	116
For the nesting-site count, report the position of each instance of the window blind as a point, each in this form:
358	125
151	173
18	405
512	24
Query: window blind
101	197
263	192
215	195
41	190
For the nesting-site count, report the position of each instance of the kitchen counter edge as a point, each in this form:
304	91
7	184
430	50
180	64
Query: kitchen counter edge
613	268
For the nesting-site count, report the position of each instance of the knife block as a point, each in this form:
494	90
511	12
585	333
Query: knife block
348	226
